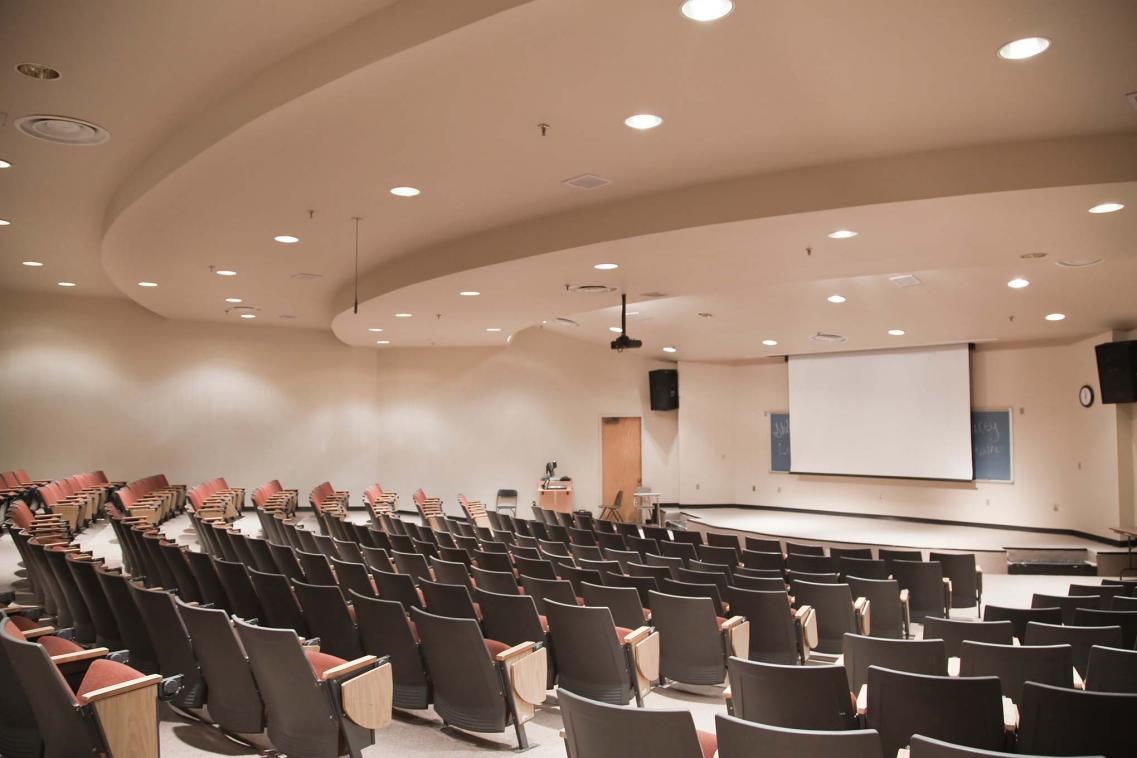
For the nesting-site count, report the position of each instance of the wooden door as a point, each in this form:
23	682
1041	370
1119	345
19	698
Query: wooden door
620	444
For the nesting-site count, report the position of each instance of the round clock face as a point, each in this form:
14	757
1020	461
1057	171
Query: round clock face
1086	396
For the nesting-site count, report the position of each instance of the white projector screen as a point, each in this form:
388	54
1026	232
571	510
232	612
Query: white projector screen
898	413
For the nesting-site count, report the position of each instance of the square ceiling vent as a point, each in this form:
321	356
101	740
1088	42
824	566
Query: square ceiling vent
588	182
904	280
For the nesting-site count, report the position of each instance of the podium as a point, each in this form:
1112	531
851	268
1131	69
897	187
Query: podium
556	496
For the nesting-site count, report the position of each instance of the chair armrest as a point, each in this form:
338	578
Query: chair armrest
953	665
863	608
39	631
79	655
368	697
1010	715
727	694
637	635
524	669
901	752
519	649
736	636
350	667
805	619
863	700
103	693
732	622
1079	683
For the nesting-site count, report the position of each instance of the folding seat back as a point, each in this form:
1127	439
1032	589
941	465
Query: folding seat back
623	557
965	711
578	576
719	539
1106	591
925	747
1016	665
836	615
302	711
184	581
610	540
450	600
657	533
173	648
204	573
797	548
954	632
535	569
693	589
762	545
794	697
683	550
1079	638
811	564
692	576
1020	617
764	561
727	556
446	572
742	739
857	553
398	587
862	568
19	734
599	730
107	633
511	619
687	536
81	623
243	600
888	555
622	602
644	585
328	618
659	573
889	616
353	576
1063	721
776	633
285	562
910	656
927	592
581	537
278	602
384	629
966	580
413	565
159	568
1068	604
691	644
1127	620
758	583
590	658
261	555
1111	669
641	545
378	558
586	552
316	568
557	590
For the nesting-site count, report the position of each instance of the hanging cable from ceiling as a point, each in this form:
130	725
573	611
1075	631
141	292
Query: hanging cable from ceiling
355	307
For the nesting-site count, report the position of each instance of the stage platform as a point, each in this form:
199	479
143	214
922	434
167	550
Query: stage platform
989	545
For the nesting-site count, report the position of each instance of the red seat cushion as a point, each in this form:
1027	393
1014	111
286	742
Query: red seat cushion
23	623
720	621
103	673
493	647
57	645
708	743
321	662
544	622
414	631
622	632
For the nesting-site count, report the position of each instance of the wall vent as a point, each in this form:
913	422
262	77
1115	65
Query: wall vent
589	289
587	182
825	337
305	277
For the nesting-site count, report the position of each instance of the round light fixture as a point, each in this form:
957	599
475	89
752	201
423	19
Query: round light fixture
706	10
286	239
66	284
5	222
5	164
1021	49
375	329
615	329
1107	208
643	121
836	298
248	315
670	349
469	293
493	328
225	272
606	266
1055	316
148	284
403	315
896	332
382	342
842	234
770	343
62	130
33	264
1018	283
232	299
405	191
38	71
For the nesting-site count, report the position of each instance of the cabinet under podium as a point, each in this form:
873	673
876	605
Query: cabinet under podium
555	496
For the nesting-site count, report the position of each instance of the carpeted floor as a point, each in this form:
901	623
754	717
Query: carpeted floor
421	733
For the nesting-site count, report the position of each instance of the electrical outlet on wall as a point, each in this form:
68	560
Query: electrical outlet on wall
698	486
754	488
1056	507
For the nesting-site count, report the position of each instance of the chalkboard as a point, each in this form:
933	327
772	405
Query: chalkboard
780	442
992	448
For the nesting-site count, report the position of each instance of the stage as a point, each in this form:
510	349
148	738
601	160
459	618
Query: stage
989	544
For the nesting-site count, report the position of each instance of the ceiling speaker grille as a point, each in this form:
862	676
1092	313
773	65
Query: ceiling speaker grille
904	280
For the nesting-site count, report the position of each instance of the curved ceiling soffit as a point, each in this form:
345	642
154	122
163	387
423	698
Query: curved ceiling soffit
381	35
945	173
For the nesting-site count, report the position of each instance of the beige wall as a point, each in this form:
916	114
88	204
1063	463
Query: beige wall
1073	466
97	383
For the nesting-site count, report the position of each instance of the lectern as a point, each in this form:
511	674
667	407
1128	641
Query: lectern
555	495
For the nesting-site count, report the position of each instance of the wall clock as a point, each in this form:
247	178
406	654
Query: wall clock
1086	396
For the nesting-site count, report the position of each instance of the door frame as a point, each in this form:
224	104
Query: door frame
600	446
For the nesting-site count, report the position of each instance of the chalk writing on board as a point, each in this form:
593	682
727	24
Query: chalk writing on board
779	442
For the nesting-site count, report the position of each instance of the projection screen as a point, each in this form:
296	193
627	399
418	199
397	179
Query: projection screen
895	413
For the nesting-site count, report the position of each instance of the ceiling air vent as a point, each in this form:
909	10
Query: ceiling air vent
825	337
562	321
904	280
62	130
589	289
303	277
587	182
1078	263
653	294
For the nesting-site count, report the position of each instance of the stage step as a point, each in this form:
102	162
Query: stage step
1045	560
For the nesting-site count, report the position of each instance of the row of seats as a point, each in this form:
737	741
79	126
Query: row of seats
214	499
151	498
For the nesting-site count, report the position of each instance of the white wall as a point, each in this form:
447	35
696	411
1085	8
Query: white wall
91	383
1072	466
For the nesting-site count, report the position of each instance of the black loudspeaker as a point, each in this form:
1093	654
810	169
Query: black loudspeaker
1117	372
664	384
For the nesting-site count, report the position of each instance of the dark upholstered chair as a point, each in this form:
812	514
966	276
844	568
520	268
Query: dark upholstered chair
742	739
925	747
757	559
384	629
1111	670
890	612
837	613
1020	617
1079	638
794	697
1015	665
778	633
1062	721
175	653
599	730
623	602
966	579
694	639
1068	604
863	568
328	618
1127	620
954	631
911	656
928	593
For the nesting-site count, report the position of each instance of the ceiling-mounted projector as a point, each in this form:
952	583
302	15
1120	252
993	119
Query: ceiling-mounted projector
624	342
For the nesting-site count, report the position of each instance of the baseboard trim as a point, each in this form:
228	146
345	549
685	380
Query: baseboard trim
916	520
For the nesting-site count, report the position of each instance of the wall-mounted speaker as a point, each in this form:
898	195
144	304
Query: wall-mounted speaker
1117	371
664	383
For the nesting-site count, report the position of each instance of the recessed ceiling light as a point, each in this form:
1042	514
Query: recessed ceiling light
225	272
469	293
66	284
606	266
896	332
403	315
148	284
4	222
615	329
248	315
33	264
382	342
1018	283
405	191
232	299
493	328
5	164
842	234
643	121
670	349
1107	208
1024	48
836	298
1055	316
770	343
375	329
38	71
706	10
286	239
